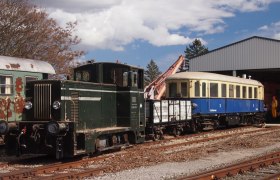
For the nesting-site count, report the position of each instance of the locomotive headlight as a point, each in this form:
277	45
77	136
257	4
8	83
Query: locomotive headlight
3	127
56	105
28	105
55	128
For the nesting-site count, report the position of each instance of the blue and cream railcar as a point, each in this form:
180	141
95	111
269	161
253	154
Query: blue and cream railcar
14	73
227	99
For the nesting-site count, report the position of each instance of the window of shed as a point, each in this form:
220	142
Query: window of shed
203	89
213	89
172	89
196	89
255	93
231	90
250	92
184	89
6	85
244	92
224	90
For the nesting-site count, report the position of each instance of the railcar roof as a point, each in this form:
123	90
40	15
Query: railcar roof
30	65
213	76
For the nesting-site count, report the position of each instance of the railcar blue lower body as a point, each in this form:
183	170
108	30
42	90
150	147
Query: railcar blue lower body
221	106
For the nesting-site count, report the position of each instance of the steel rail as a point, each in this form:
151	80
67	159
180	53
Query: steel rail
236	168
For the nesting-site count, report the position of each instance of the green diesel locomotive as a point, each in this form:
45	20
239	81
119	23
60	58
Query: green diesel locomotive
101	109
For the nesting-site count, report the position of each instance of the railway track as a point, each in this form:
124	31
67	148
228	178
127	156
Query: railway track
87	167
241	168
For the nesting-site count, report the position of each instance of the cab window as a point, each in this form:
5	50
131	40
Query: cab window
250	92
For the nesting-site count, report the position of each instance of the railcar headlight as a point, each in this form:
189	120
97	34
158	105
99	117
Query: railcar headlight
3	127
55	128
28	105
194	105
56	105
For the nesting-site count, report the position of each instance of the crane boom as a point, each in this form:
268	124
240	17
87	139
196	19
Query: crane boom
156	89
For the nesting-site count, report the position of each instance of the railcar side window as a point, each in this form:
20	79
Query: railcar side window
250	92
224	90
244	91
184	89
196	89
172	89
231	90
6	85
255	93
213	89
203	89
237	91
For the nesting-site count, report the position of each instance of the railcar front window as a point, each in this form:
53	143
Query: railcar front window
213	89
231	90
6	85
244	92
250	92
203	89
238	91
172	89
255	93
196	89
125	79
184	89
224	90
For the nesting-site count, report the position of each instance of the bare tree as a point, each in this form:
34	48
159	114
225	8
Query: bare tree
26	31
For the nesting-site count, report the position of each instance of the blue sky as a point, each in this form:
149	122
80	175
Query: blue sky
134	32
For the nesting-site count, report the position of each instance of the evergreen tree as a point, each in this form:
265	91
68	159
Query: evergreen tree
151	73
194	49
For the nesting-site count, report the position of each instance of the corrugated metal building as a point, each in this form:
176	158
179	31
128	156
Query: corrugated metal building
257	57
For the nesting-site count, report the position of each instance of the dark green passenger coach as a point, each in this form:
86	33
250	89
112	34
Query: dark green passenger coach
101	109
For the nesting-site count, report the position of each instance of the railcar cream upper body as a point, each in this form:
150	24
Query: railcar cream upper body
205	85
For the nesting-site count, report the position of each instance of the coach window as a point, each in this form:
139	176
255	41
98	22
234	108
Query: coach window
196	89
224	90
203	89
244	91
238	92
213	89
256	93
250	92
231	90
172	89
184	89
6	85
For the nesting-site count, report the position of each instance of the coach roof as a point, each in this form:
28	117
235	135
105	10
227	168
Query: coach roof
213	77
29	65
